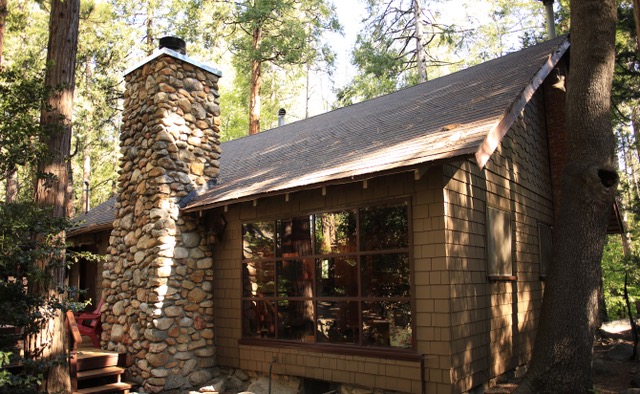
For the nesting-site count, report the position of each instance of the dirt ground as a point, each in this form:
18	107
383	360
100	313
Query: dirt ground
611	348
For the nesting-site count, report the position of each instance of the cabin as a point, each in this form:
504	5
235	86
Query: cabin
398	244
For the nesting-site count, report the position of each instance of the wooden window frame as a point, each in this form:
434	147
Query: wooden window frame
496	240
358	348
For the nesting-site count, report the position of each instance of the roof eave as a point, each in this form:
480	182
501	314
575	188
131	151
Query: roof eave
317	185
89	229
496	134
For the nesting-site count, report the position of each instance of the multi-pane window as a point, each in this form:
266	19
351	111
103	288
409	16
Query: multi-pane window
339	277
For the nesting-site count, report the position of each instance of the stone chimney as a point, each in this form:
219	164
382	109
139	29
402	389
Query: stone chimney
158	278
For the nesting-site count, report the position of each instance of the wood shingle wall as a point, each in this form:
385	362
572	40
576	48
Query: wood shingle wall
494	321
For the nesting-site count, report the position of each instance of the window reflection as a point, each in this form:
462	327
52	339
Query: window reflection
258	240
336	232
338	322
294	237
296	320
259	319
339	277
387	323
385	275
259	279
295	278
384	227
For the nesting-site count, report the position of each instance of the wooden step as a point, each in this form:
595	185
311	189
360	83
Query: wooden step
106	388
96	359
100	373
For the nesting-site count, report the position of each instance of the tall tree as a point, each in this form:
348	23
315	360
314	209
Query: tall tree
561	360
283	33
395	48
3	18
12	183
52	181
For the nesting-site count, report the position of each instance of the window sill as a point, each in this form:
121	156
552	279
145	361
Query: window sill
502	278
390	354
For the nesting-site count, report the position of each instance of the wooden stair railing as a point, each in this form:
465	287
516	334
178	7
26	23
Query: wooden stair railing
74	339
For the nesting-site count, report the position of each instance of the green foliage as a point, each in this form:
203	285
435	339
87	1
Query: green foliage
290	30
28	236
626	82
614	268
281	38
21	99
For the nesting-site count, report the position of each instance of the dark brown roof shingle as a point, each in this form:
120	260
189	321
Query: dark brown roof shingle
463	113
446	117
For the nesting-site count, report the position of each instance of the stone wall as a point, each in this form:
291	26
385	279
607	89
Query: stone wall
159	274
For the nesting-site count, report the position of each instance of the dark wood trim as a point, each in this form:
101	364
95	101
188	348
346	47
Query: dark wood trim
389	354
495	135
344	180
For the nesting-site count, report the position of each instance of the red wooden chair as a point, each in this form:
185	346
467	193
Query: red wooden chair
90	324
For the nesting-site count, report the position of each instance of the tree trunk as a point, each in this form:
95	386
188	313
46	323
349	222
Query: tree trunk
256	86
150	45
12	176
420	46
561	360
3	17
52	192
636	18
11	192
86	177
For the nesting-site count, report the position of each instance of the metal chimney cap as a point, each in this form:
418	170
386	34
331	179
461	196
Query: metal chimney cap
282	112
174	43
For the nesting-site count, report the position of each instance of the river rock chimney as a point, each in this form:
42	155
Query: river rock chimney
158	278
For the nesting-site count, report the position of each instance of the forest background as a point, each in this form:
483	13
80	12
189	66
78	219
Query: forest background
354	50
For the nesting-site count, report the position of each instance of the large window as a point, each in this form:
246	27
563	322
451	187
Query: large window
339	277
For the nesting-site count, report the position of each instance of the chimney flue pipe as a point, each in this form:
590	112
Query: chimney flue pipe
281	114
174	43
551	22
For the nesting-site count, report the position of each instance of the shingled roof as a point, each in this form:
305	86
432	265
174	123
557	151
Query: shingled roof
97	219
464	113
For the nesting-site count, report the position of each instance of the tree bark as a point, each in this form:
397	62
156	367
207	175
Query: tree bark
11	194
86	177
150	44
561	360
51	192
420	53
636	18
3	17
256	86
